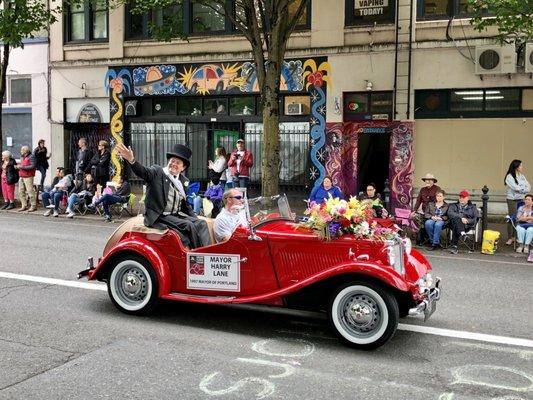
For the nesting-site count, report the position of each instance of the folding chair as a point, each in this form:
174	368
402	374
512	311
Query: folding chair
513	220
119	208
402	217
194	190
471	238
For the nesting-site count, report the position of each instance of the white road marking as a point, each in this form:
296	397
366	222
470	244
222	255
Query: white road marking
472	375
268	387
479	337
53	281
523	264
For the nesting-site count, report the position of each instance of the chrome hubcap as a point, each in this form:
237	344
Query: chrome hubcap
361	314
133	285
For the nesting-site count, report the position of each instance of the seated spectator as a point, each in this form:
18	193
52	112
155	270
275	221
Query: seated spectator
82	191
321	193
463	216
231	216
524	229
436	217
425	196
60	173
121	195
371	195
60	189
213	193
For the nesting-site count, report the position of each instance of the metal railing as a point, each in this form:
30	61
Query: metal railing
151	141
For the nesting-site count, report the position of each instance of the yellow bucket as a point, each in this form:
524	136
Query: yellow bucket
490	242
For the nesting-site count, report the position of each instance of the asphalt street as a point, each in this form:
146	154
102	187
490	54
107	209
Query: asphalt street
63	342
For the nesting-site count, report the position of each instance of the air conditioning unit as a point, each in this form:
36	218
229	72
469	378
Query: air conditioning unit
528	58
295	109
495	59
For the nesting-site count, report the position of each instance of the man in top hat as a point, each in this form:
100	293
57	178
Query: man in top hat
463	216
426	195
166	196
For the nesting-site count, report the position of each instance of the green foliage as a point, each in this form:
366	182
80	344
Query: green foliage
21	19
514	18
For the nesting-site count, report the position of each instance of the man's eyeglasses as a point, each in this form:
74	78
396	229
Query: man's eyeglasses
236	197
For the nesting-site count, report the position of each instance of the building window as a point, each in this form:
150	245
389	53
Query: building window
242	105
442	9
19	90
304	22
87	21
367	106
206	19
141	26
471	103
368	12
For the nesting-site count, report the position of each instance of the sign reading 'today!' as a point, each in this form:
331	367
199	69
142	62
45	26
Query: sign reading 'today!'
370	7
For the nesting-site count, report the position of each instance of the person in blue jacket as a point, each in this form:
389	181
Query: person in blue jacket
321	193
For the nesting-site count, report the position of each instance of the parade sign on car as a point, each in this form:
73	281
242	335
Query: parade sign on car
214	272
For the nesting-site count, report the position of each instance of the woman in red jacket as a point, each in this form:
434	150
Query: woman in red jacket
240	162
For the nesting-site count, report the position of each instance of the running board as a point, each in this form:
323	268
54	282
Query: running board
194	298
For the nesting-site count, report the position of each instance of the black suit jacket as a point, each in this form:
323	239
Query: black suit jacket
157	187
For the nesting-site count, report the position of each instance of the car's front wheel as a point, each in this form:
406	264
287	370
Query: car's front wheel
132	285
364	315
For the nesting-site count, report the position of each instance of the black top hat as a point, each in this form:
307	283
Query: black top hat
182	152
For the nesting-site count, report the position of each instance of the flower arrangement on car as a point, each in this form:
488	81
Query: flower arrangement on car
336	217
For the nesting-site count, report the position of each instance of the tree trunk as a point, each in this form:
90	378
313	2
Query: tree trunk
271	163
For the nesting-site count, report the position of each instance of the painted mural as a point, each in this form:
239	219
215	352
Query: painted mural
342	154
119	83
316	79
299	76
156	80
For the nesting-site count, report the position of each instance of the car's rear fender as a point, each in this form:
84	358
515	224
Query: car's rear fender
140	247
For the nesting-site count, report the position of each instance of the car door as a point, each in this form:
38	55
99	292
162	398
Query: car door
237	267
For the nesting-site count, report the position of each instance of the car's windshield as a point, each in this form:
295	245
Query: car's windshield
260	209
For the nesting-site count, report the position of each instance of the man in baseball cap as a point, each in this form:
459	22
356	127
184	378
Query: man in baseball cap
463	216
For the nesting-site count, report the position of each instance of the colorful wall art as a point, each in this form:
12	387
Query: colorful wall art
341	154
119	83
297	76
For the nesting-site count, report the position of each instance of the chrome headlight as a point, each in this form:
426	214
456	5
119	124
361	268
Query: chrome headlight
407	245
425	283
395	255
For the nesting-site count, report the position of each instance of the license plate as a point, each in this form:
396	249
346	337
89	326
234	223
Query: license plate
430	309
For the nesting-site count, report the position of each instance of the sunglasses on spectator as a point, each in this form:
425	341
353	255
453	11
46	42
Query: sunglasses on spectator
236	197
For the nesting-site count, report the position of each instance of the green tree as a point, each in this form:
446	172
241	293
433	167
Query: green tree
267	26
19	20
514	18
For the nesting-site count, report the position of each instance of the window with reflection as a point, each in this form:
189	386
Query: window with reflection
304	22
87	21
442	9
242	105
142	26
208	18
218	106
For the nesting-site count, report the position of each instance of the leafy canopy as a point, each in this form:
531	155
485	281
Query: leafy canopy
514	18
21	19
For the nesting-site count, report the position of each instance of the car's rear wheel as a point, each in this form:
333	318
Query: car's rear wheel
132	285
363	315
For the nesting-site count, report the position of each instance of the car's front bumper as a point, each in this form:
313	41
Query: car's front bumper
428	304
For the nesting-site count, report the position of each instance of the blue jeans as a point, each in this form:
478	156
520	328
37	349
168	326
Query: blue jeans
433	229
107	200
42	170
241	181
73	199
198	200
55	197
524	236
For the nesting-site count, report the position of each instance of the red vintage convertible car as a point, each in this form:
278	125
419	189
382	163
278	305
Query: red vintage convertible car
364	286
